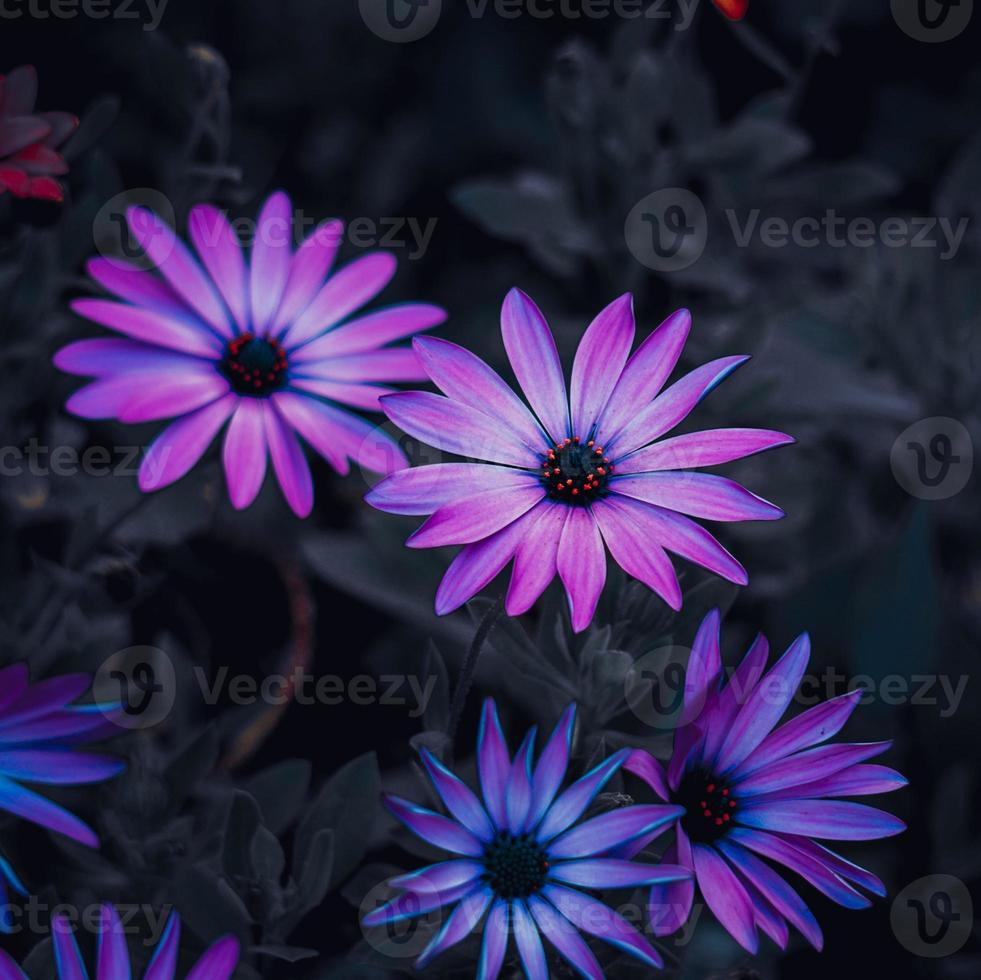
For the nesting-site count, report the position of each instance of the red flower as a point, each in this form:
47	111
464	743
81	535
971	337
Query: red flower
29	161
733	9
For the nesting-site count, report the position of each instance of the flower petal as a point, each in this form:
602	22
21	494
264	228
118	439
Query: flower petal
244	452
473	518
113	957
535	557
219	962
136	285
671	407
28	805
518	794
289	464
531	350
433	828
635	553
669	905
371	331
765	706
456	428
308	269
458	798
271	258
424	489
804	767
151	326
642	764
725	896
493	763
696	449
344	292
572	803
219	249
600	359
68	957
599	920
855	781
551	767
529	944
175	262
646	372
609	830
581	564
827	819
564	937
458	925
705	495
495	943
183	443
612	873
58	766
465	378
439	877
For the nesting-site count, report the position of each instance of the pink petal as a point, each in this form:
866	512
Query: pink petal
183	443
696	449
705	495
600	359
371	331
308	269
581	564
289	464
346	291
151	326
244	452
221	252
136	285
535	360
178	267
272	255
535	560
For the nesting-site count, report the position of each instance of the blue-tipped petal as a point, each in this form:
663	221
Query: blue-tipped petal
572	804
25	803
561	933
600	920
610	830
529	944
519	786
458	925
164	962
9	970
551	768
495	942
113	957
493	764
68	957
439	877
434	828
459	799
411	904
600	873
58	766
826	819
725	896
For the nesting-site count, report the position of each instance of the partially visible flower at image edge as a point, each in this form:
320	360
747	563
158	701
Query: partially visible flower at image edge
39	730
265	346
29	140
752	791
577	471
521	859
112	959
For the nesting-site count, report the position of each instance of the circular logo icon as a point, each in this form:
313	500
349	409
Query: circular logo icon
933	458
932	21
113	234
655	688
933	916
667	230
137	687
379	455
407	937
400	21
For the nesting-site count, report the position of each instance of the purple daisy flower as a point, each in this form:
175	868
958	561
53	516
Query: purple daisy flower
39	727
578	470
112	959
266	346
520	860
753	791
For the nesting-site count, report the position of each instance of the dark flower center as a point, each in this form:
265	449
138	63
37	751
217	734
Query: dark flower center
254	365
576	472
514	865
710	805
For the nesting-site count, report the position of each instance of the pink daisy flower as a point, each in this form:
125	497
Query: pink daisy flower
266	346
29	159
576	471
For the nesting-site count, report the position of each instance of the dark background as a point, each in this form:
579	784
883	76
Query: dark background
230	100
